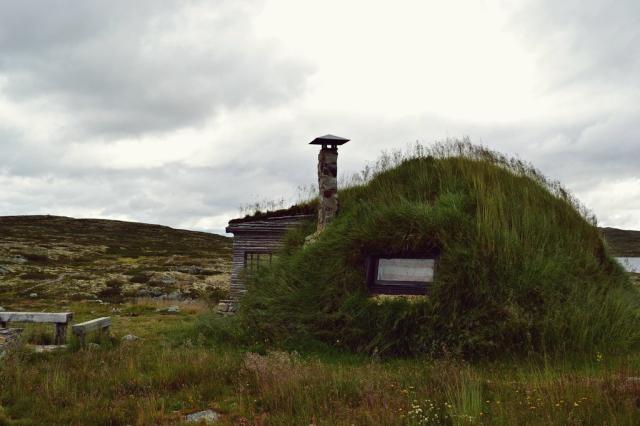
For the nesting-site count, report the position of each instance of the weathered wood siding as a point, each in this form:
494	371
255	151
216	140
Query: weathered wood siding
260	236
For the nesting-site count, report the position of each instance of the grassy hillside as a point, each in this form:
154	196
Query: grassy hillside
623	243
49	257
522	267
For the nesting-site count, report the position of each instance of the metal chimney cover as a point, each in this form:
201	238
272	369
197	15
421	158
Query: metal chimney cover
329	140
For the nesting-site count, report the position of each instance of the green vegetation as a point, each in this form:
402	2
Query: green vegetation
183	363
522	269
522	274
86	259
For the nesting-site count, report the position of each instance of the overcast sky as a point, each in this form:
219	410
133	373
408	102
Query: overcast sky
179	112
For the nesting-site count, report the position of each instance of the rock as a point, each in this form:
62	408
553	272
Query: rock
207	416
4	270
171	309
375	356
168	280
18	258
8	338
174	295
310	239
192	270
226	307
195	270
81	295
8	335
2	309
130	338
48	348
33	295
143	292
162	279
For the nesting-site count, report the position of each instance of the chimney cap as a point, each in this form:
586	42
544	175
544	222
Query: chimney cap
329	140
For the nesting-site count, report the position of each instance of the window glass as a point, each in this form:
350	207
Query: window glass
401	275
254	261
392	271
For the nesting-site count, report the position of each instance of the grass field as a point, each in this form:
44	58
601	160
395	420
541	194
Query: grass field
192	360
178	366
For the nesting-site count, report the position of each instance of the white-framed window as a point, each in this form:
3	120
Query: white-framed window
400	275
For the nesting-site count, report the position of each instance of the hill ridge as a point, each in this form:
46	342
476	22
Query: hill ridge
65	257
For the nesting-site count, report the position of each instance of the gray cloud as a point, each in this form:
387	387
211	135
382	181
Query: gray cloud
111	70
121	68
588	57
583	42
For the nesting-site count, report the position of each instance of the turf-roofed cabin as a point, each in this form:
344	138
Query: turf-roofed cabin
255	241
257	238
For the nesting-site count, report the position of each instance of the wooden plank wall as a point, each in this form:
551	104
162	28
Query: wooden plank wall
261	236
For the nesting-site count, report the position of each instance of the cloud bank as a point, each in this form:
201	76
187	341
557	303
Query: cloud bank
179	112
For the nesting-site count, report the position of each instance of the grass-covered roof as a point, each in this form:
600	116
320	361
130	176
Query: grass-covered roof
522	266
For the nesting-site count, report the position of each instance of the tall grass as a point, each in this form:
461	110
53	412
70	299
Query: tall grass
522	267
176	369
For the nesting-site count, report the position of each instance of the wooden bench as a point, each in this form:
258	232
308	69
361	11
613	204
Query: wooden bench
60	319
100	325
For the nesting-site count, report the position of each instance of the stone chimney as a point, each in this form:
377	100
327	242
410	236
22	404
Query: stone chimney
328	178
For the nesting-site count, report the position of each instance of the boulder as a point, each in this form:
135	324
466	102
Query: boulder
185	269
155	291
18	258
162	279
174	295
171	309
130	338
206	416
40	349
143	292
